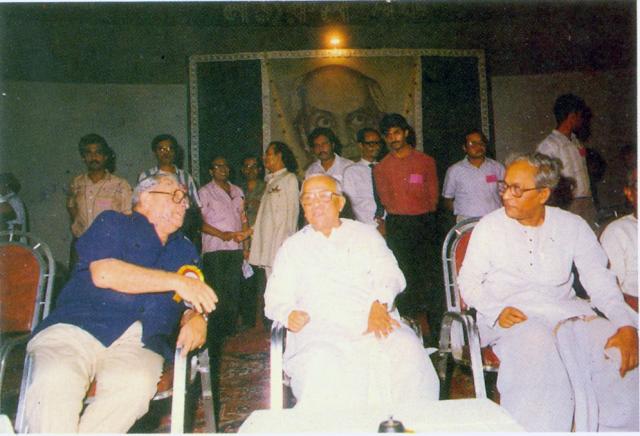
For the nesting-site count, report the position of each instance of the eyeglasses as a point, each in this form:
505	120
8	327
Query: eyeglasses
178	196
164	148
472	143
515	190
219	166
322	196
250	166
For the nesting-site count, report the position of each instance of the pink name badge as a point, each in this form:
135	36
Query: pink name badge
491	178
415	178
103	203
583	151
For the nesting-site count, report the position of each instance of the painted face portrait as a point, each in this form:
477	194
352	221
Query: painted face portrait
341	99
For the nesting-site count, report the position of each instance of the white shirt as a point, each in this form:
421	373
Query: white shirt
277	217
508	264
574	159
620	242
336	170
474	189
357	184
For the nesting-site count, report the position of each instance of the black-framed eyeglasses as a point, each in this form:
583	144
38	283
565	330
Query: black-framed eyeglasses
178	196
219	166
514	189
472	143
321	196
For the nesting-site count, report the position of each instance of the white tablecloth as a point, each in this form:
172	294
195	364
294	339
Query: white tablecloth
467	415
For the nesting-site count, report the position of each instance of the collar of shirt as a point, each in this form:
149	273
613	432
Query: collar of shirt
272	176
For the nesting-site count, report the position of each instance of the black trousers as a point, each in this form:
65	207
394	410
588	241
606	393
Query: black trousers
413	241
223	272
252	289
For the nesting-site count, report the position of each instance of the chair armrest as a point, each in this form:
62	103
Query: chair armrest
275	362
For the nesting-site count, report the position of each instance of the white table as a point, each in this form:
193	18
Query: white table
467	415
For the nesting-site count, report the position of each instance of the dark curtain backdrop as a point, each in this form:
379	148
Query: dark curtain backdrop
229	113
450	107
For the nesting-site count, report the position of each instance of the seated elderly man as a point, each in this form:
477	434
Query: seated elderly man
333	284
557	357
115	319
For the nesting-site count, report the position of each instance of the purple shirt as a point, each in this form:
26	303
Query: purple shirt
223	211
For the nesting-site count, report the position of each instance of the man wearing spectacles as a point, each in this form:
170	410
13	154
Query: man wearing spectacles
167	153
333	285
113	319
470	185
358	179
559	361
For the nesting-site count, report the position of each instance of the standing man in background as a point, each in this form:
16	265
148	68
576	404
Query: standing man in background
407	183
96	190
165	148
569	111
470	185
357	181
326	146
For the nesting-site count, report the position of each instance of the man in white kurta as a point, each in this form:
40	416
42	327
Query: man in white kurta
332	285
517	274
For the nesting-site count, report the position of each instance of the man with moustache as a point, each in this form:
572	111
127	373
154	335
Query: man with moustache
560	363
333	286
116	318
97	190
470	186
407	183
358	178
326	146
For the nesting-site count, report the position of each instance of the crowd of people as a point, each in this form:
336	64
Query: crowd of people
346	278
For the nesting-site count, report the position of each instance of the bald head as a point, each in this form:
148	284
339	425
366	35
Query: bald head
322	202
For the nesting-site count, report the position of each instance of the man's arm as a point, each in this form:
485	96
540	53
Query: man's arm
193	331
133	279
380	323
448	204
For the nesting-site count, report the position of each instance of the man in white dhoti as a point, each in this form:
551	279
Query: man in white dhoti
333	284
557	357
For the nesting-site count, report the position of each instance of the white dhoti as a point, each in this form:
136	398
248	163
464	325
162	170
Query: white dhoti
365	372
539	382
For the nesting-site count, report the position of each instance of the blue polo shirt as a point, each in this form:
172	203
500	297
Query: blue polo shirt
106	313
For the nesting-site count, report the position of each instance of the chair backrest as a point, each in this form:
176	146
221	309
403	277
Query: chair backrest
27	270
454	249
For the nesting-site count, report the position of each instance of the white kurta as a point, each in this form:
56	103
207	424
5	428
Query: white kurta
620	242
277	217
529	268
335	280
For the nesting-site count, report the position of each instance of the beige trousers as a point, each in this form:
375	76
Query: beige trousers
66	359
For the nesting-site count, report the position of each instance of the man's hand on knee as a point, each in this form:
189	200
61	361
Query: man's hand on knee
510	316
297	320
626	340
380	322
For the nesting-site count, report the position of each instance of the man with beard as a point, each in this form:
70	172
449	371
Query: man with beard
97	190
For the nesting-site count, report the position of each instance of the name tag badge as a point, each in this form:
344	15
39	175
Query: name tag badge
582	151
103	203
491	178
415	178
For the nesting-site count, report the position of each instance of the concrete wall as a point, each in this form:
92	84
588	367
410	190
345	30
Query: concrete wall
523	115
42	123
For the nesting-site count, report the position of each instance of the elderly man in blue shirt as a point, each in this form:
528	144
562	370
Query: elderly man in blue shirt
115	319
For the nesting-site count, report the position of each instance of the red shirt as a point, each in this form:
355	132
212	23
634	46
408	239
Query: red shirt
409	185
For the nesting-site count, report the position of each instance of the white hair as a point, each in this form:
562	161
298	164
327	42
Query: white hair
148	184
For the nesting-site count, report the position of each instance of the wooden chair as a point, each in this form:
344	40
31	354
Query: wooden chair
27	271
479	360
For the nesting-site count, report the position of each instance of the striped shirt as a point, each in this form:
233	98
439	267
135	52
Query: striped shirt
184	178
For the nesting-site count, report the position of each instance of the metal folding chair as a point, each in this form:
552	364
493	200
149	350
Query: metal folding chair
277	383
27	270
479	360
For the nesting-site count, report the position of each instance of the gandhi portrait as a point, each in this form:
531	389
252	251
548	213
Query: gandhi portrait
341	99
